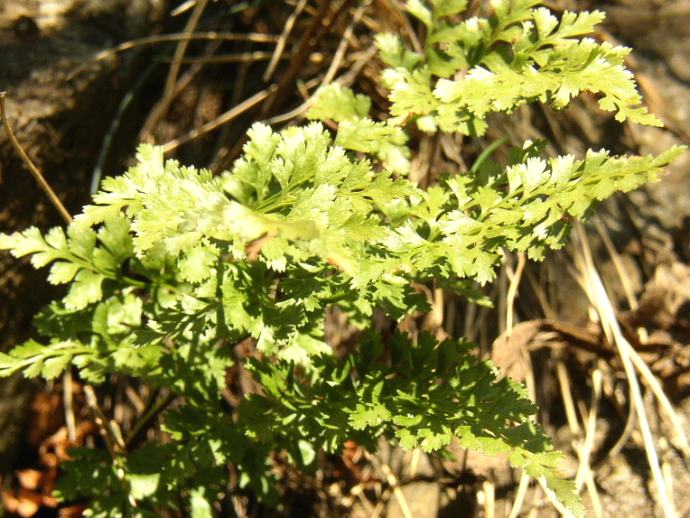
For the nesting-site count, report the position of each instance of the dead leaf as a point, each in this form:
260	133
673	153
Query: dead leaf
509	352
665	298
25	504
30	478
73	511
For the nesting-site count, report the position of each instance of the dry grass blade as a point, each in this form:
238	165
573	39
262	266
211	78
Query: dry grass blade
240	57
515	278
567	395
381	504
68	401
617	263
394	486
678	437
360	60
280	46
600	300
226	117
346	79
299	111
489	498
358	492
183	8
553	499
312	33
342	46
159	111
181	50
626	434
585	450
101	421
584	471
324	19
594	494
520	495
253	37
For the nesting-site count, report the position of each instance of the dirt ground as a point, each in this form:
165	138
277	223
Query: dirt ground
80	109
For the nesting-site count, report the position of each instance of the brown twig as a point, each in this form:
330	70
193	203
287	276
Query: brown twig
253	37
167	38
36	173
240	57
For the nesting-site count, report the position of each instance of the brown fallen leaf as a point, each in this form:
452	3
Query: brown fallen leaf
26	503
73	511
31	478
509	350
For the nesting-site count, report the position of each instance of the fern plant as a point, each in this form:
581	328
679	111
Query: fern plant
170	267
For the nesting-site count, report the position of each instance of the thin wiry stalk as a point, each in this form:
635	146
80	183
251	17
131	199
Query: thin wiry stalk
35	171
161	109
584	470
67	400
515	278
520	495
280	45
600	300
617	263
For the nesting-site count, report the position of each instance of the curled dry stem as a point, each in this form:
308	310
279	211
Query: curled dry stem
35	172
50	193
